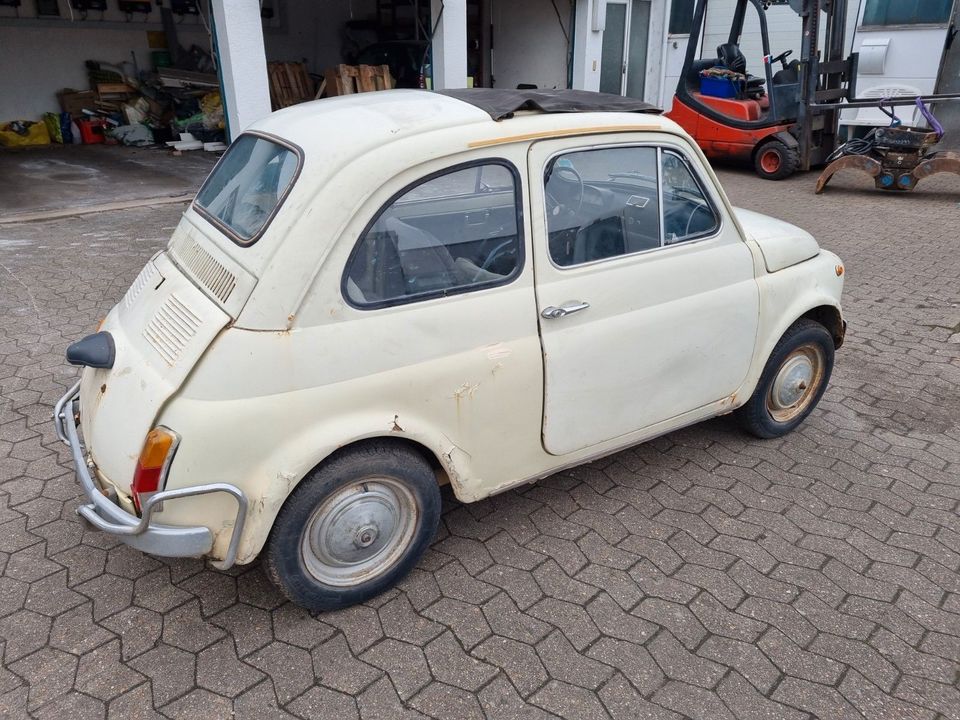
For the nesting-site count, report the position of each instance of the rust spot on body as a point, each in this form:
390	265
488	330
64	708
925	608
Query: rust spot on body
396	426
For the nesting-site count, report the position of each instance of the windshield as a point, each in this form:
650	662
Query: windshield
247	186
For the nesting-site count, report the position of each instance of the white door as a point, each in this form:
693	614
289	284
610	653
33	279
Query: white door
645	314
638	40
623	55
675	49
613	53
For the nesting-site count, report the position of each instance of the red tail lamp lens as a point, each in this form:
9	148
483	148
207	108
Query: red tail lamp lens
148	476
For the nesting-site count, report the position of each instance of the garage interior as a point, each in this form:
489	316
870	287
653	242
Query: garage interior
132	63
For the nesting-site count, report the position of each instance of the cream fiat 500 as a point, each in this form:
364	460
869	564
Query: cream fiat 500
376	295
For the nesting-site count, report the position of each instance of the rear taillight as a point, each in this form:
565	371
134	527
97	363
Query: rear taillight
153	463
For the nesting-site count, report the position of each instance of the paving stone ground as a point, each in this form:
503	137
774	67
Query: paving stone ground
704	574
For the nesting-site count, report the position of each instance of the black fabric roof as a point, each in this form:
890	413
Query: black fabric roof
502	104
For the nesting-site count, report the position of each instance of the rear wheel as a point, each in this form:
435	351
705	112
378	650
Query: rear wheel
354	527
775	160
793	381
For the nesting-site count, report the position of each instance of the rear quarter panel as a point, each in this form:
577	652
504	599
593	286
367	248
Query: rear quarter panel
460	375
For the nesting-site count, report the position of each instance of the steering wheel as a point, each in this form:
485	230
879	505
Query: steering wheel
781	58
558	169
496	253
698	208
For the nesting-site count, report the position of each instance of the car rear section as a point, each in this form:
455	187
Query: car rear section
149	344
179	303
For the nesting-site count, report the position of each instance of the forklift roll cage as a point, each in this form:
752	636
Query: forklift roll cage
811	110
802	117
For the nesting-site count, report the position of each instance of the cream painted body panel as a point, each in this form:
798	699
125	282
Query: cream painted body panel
299	373
781	243
668	331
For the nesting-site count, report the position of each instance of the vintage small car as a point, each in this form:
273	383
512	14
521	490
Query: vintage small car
379	294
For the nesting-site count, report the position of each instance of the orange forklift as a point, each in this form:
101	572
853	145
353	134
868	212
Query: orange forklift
780	121
788	120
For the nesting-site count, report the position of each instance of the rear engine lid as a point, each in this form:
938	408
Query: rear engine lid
161	328
212	269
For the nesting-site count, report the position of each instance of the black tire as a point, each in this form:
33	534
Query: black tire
775	160
349	474
761	416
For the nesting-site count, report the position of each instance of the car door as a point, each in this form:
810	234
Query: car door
646	291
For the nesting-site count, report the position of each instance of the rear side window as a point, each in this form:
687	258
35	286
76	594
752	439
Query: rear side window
247	186
449	233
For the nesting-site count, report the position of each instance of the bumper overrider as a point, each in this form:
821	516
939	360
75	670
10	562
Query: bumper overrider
138	532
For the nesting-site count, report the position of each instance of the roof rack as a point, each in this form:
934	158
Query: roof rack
502	104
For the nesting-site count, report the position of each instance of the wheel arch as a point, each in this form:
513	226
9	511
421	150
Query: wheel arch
447	465
829	316
787	296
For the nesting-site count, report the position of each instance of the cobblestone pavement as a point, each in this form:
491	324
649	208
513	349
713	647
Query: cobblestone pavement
704	574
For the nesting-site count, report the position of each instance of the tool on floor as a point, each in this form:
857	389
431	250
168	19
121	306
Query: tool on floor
896	157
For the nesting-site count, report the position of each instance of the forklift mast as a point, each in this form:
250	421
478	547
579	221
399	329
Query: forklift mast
822	80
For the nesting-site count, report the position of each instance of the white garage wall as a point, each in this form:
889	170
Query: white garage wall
39	59
529	44
41	56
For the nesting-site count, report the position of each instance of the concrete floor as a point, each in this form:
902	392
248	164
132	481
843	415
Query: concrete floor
57	178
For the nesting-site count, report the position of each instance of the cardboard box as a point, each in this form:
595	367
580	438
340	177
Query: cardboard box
75	102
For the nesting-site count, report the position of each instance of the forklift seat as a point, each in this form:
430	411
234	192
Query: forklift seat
732	58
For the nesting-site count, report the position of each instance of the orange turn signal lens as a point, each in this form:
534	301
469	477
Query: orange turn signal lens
156	448
148	477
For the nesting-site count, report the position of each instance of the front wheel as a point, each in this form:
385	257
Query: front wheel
793	381
354	527
775	160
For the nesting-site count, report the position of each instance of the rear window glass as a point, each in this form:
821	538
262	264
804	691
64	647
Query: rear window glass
247	186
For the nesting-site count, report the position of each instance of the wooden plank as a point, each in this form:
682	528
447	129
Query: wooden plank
114	89
348	79
366	78
351	79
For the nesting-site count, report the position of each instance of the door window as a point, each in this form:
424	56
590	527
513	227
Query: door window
606	203
687	214
681	17
612	51
639	38
451	232
906	12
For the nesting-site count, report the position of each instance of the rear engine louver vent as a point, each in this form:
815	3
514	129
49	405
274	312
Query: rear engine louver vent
148	273
171	329
204	267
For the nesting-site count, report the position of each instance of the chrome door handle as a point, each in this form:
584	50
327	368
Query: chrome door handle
555	313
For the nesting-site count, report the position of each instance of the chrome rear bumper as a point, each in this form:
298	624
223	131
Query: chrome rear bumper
138	532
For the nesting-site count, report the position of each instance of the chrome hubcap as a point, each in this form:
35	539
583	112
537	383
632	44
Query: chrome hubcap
796	383
359	532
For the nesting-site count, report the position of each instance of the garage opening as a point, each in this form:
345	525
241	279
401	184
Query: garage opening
117	101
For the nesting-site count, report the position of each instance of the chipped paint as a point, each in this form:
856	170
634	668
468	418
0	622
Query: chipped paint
467	390
498	351
396	425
